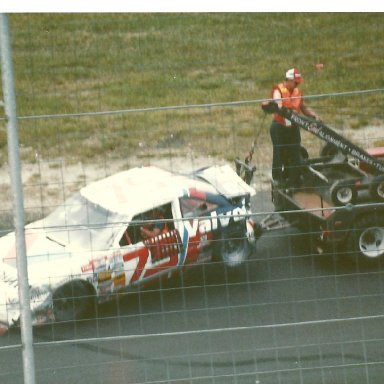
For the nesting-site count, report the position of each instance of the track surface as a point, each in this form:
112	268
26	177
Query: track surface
288	316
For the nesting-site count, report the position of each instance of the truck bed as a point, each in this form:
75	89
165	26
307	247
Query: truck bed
302	205
338	171
313	201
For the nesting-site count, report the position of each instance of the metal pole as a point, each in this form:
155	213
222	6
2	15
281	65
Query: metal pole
18	203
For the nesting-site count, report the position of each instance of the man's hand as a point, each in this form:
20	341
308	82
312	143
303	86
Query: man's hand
269	106
310	113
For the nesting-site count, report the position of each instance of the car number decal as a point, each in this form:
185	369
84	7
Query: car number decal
158	255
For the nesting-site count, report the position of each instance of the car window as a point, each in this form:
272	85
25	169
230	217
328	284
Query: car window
193	207
79	222
159	217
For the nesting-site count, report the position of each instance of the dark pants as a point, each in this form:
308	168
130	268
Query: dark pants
286	159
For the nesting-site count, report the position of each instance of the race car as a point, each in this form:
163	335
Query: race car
91	247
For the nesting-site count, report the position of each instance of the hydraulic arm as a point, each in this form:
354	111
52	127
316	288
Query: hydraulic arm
325	133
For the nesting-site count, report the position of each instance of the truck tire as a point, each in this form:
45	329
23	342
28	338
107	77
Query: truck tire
328	150
367	237
343	192
332	153
376	189
304	155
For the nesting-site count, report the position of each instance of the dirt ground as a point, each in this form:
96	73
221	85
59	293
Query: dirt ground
48	183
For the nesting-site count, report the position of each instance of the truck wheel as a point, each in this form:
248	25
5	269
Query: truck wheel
232	246
328	150
74	300
343	192
304	155
333	153
376	189
367	238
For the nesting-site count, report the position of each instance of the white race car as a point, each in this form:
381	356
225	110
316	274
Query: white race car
92	246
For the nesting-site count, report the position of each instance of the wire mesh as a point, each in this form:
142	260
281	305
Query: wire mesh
287	315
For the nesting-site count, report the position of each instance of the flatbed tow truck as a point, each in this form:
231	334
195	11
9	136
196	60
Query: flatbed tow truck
339	205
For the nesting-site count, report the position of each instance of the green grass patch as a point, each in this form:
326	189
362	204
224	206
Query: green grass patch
76	63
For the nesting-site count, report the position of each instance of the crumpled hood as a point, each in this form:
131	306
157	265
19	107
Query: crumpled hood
9	299
226	181
48	264
41	252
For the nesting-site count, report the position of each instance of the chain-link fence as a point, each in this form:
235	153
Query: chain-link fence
101	94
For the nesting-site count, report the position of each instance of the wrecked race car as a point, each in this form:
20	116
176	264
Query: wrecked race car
92	247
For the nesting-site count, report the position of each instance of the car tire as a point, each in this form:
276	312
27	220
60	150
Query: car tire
232	247
73	301
376	189
343	192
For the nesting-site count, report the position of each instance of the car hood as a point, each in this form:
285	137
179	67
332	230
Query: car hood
226	181
38	245
49	264
47	259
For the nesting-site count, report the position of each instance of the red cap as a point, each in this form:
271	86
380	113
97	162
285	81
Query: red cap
294	74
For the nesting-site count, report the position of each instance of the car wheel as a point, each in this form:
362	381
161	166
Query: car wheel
73	301
367	238
343	192
376	189
232	246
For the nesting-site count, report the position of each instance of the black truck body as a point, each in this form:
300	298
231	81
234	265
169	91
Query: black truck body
338	203
331	226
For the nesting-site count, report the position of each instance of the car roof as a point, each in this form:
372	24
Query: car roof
140	189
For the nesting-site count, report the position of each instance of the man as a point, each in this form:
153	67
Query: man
286	136
153	229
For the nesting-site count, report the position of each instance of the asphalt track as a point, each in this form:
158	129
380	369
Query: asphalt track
288	316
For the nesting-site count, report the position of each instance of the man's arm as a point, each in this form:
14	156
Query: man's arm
277	97
307	111
156	230
147	233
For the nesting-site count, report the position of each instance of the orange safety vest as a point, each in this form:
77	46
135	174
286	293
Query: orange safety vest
292	100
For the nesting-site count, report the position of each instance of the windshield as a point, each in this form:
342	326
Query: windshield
81	223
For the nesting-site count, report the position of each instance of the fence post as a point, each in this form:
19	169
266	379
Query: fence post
18	204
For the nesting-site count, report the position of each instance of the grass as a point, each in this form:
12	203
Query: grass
76	63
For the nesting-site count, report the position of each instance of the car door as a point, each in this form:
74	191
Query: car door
149	258
199	218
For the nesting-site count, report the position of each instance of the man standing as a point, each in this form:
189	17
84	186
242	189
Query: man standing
286	136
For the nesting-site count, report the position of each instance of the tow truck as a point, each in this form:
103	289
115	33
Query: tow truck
340	205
